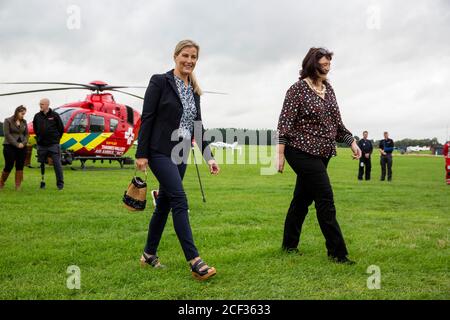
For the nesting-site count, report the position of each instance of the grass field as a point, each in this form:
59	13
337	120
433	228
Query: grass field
402	227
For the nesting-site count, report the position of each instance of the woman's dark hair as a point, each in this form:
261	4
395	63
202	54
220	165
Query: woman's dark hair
310	64
18	110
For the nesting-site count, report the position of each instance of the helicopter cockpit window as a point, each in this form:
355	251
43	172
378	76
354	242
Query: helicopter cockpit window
64	114
113	123
79	124
97	123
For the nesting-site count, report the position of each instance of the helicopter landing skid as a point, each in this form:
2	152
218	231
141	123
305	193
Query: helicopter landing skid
122	160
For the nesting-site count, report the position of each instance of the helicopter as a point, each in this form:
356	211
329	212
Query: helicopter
97	128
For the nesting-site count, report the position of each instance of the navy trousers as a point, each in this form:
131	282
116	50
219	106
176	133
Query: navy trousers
171	196
386	162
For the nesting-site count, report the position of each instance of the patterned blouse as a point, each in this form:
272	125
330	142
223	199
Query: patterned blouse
310	123
189	110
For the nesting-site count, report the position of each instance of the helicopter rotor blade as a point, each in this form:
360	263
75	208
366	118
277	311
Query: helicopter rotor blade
145	87
40	90
113	88
215	92
87	86
130	94
108	87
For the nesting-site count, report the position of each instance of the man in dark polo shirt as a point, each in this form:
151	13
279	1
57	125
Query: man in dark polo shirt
386	147
364	162
49	128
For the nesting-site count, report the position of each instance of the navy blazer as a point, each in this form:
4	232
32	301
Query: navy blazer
161	115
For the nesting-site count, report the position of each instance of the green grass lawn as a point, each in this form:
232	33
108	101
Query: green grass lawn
402	227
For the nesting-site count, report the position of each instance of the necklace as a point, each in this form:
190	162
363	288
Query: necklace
319	92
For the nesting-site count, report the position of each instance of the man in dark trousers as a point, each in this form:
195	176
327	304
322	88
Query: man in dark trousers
49	129
386	147
366	148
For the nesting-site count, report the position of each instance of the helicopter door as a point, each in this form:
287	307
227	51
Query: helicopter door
130	115
115	142
103	142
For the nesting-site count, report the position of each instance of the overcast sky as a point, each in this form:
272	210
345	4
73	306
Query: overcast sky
390	71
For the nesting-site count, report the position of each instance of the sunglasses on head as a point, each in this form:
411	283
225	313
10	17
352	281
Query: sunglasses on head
323	51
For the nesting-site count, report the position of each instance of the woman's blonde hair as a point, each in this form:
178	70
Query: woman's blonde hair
179	47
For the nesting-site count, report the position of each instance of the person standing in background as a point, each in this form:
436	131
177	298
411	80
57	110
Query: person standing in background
447	161
386	148
14	146
49	129
366	148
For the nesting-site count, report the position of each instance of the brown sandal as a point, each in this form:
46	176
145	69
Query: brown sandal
203	274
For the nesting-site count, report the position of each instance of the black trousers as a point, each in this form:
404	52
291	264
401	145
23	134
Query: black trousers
14	155
386	162
171	196
54	152
313	184
364	163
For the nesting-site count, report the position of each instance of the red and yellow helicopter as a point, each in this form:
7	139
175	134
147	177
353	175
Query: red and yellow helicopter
97	128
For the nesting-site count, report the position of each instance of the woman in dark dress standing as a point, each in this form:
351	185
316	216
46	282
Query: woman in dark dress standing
309	126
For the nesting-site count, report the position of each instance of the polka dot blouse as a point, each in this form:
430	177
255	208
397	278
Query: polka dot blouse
310	123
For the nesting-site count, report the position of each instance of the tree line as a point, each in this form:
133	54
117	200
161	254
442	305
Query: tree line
404	143
267	137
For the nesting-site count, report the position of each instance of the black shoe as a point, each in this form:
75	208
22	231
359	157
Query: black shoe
42	186
342	260
382	179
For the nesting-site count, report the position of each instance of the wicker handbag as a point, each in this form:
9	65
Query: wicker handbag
135	197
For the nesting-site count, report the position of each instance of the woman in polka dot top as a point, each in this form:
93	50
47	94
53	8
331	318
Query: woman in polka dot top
309	126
